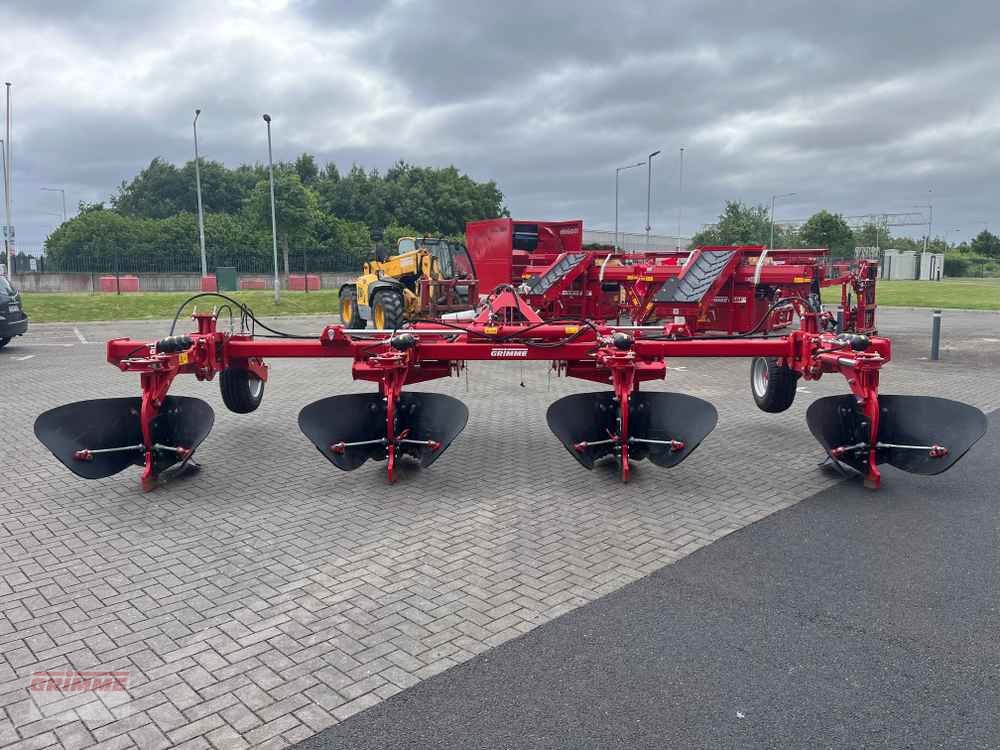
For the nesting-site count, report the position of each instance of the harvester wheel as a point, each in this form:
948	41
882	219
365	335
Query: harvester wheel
387	310
242	391
349	314
772	384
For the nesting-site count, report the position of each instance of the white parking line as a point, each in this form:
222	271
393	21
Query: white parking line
21	359
79	335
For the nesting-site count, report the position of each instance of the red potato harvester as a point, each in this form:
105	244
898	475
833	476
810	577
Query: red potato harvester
554	301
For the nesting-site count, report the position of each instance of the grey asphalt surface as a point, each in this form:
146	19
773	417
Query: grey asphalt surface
853	619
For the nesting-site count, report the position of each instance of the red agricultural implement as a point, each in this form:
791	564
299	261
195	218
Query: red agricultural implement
608	317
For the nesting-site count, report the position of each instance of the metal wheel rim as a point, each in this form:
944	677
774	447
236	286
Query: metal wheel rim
379	315
760	376
345	310
256	387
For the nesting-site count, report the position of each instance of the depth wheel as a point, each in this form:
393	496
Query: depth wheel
242	391
350	316
387	310
773	385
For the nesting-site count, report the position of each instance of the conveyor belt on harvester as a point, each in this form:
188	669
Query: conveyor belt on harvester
697	279
554	273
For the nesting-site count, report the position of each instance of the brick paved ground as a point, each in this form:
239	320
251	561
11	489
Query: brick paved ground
271	595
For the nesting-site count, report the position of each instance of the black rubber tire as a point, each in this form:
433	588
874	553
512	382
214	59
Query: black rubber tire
773	385
391	304
4	342
242	391
356	322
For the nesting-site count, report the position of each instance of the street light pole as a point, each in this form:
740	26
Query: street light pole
618	171
649	188
59	190
8	184
274	221
3	176
197	182
770	245
930	218
680	193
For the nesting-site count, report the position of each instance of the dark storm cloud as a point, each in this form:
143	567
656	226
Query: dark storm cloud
857	107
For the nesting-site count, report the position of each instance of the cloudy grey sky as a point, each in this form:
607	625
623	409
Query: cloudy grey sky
856	106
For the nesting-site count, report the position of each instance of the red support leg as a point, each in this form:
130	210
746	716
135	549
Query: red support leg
394	368
154	389
863	379
624	382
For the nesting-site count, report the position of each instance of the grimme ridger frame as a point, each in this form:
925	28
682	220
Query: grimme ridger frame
859	430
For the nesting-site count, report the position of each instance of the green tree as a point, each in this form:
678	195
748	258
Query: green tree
306	169
296	211
986	244
740	224
824	229
155	193
873	235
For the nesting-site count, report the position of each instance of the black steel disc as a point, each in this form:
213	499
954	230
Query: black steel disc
927	420
838	421
114	423
669	416
593	417
360	417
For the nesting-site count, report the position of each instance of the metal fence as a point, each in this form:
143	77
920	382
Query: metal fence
635	241
249	262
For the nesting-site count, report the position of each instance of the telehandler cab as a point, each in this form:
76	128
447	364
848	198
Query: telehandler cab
426	277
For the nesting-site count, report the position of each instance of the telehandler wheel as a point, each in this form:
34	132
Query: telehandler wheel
242	391
387	310
349	314
773	385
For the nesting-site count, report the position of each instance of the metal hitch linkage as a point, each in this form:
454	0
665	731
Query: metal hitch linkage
934	451
342	447
675	445
87	454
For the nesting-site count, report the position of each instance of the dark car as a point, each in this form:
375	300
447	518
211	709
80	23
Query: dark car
13	321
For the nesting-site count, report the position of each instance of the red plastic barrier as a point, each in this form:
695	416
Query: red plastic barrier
253	283
297	282
125	283
208	284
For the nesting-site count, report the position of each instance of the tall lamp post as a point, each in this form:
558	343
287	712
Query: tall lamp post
3	176
274	221
8	186
649	188
773	199
680	193
197	183
618	171
770	245
59	190
930	220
